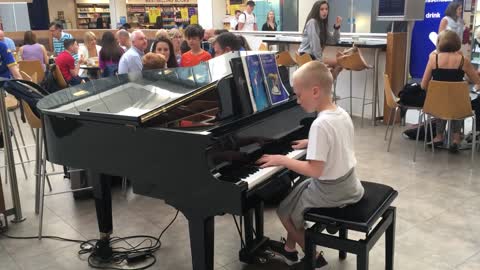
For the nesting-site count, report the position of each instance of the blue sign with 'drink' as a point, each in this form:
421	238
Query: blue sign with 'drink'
424	36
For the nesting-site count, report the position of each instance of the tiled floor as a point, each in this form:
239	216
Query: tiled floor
438	224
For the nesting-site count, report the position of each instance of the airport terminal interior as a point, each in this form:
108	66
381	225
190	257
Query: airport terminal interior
240	135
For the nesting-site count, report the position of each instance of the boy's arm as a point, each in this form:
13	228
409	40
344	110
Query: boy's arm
310	168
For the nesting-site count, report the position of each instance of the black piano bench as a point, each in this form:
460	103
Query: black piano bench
362	217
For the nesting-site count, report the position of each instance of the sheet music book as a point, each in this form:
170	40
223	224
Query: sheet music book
241	86
253	70
276	91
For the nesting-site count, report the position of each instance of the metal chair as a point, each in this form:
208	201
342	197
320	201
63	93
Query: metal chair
392	103
12	105
448	101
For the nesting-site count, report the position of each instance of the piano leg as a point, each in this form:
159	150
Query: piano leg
202	238
103	203
255	241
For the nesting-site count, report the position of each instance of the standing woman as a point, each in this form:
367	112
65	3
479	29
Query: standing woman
164	47
316	35
109	55
453	19
271	24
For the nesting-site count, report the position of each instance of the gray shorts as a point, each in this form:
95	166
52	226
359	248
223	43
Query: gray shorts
314	193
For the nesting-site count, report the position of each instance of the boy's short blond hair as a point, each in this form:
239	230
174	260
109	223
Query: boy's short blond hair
315	73
153	61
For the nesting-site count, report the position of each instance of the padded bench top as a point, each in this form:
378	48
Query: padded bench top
360	216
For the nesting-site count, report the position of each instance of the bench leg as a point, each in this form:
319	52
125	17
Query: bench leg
390	241
343	234
362	260
310	252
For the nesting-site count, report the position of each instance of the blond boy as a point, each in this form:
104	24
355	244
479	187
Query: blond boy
329	163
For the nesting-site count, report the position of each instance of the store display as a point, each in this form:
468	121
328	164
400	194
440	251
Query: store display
87	15
172	15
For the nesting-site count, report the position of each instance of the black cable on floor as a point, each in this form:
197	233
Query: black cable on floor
132	253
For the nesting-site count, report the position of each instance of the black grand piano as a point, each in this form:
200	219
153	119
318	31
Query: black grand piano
183	135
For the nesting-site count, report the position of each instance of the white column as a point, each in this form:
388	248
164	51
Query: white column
118	8
211	13
304	7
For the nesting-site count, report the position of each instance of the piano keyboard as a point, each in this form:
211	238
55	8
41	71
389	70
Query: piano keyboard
265	173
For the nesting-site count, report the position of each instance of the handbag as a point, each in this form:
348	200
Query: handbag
352	59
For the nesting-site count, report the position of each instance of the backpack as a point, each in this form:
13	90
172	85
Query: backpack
413	95
245	14
49	83
26	91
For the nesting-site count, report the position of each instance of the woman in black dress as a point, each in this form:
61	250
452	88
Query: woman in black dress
271	24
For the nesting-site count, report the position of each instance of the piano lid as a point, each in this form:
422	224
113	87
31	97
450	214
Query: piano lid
135	98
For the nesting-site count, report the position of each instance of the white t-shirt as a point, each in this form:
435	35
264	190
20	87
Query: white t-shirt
233	23
331	140
248	20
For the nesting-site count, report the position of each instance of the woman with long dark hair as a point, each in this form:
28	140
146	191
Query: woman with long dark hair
110	55
453	19
316	34
164	47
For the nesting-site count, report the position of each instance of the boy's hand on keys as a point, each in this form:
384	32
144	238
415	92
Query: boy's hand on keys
300	144
271	161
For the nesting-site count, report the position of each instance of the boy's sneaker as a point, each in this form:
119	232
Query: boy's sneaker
290	258
320	263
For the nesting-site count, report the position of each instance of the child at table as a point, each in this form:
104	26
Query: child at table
329	163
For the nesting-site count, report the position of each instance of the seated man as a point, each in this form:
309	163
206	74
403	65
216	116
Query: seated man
8	65
66	63
330	161
8	41
226	42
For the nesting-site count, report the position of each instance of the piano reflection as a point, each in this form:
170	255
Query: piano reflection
181	135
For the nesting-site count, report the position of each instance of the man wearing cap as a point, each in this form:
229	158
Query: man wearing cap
247	20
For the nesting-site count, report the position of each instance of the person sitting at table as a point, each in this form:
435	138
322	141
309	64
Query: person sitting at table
109	55
153	61
164	47
8	41
131	60
8	65
66	63
123	37
58	38
33	50
89	50
447	63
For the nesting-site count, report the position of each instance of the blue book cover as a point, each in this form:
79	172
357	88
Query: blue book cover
256	82
276	91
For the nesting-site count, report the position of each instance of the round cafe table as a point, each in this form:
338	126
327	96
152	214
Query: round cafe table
92	71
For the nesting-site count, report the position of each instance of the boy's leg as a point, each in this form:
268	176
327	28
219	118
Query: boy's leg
294	235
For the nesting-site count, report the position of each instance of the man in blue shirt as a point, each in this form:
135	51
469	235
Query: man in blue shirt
131	60
8	41
8	65
58	37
